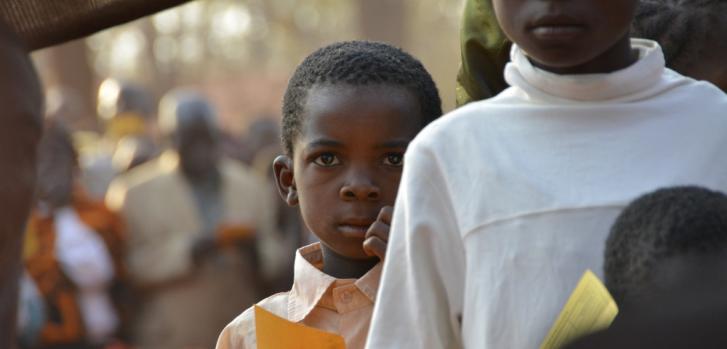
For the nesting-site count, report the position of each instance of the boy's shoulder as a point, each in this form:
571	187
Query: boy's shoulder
453	126
240	333
481	110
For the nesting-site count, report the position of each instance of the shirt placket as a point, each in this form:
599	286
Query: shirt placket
345	298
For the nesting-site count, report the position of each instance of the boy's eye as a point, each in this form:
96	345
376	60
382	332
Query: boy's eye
327	160
394	159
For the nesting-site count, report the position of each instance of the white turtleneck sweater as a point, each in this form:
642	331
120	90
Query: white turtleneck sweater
505	203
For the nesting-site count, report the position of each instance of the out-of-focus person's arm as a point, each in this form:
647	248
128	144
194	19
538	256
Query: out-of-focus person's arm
421	295
154	256
485	51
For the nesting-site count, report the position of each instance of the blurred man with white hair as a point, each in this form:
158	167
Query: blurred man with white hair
195	222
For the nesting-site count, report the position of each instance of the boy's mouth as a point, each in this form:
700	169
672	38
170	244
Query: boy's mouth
556	27
355	228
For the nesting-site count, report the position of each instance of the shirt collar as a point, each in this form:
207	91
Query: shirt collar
625	84
369	283
310	283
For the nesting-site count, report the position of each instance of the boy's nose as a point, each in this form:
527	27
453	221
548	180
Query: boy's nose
360	191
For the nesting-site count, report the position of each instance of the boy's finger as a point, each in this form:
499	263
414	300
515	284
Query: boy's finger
385	214
378	229
374	246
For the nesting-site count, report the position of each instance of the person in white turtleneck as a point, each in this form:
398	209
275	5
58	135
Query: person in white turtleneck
504	203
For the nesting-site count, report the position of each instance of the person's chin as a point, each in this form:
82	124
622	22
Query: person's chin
557	58
353	250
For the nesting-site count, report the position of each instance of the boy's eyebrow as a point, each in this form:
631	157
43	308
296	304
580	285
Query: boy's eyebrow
396	143
323	142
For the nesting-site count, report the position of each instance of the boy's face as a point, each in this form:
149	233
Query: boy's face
348	159
565	33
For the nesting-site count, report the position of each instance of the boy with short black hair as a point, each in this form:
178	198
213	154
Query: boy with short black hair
505	203
692	34
657	237
664	264
349	113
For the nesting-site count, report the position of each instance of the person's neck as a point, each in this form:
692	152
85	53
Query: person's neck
619	56
341	267
209	178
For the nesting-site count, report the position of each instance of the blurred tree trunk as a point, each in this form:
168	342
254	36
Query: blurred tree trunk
69	67
383	20
159	78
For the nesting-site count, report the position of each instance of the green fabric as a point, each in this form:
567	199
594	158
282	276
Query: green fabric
485	51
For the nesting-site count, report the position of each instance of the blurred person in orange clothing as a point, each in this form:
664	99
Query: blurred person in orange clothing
73	249
200	227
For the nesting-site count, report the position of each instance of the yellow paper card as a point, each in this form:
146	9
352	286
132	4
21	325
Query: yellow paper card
274	332
590	308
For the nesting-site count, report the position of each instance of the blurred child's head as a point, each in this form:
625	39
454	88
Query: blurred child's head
691	33
663	237
57	166
349	112
125	108
570	36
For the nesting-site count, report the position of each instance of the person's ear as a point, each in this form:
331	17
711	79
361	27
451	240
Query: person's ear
285	180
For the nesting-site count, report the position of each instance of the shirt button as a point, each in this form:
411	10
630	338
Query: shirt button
346	297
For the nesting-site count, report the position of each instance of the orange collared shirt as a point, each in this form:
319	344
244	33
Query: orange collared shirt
341	306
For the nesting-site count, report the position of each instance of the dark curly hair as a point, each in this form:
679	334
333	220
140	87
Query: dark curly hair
357	63
676	222
688	30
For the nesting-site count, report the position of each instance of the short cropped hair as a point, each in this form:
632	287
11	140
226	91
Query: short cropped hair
668	223
357	63
687	30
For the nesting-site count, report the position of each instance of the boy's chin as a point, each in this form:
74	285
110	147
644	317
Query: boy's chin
356	254
557	59
352	252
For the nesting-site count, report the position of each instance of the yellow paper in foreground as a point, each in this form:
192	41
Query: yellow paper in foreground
274	332
590	308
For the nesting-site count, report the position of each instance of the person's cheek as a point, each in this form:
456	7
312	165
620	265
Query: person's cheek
313	210
392	188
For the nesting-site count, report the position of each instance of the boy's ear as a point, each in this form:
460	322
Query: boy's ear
284	179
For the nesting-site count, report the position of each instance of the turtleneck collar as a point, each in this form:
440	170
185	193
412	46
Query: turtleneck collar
631	83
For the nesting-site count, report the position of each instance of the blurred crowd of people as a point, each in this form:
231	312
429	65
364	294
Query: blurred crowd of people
155	232
156	228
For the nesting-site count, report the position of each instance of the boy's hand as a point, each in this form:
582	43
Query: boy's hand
378	234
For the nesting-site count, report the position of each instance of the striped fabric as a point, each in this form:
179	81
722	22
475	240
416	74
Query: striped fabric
43	23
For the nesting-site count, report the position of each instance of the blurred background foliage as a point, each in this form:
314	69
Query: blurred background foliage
241	52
